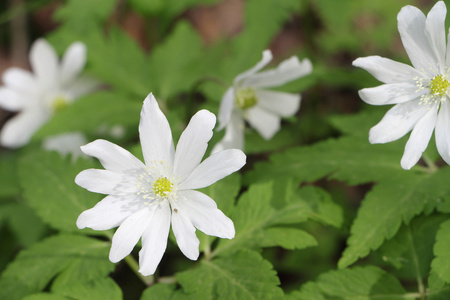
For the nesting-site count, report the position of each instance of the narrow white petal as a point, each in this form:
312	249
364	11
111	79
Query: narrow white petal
110	212
442	132
397	122
18	131
391	93
280	103
154	239
387	70
73	62
184	232
266	123
226	108
20	80
193	143
128	234
111	156
214	168
286	71
420	136
82	86
11	100
411	26
204	215
107	182
44	62
435	31
234	134
155	133
65	143
266	58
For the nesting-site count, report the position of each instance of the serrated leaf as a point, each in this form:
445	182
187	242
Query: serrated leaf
163	291
103	288
34	268
45	296
244	275
288	238
50	189
441	263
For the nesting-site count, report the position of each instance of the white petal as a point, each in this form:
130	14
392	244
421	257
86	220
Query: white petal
107	182
11	100
65	143
286	71
420	136
82	86
111	156
184	232
73	62
226	108
204	215
391	93
280	103
387	70
435	30
214	168
411	26
154	240
155	133
442	132
44	62
18	131
128	234
397	122
266	58
266	123
193	143
20	80
109	212
234	134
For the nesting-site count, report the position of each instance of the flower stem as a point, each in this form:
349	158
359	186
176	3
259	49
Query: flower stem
415	258
430	164
133	264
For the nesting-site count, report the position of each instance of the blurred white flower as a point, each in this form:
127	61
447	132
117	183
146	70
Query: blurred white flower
145	198
37	95
66	143
249	100
421	92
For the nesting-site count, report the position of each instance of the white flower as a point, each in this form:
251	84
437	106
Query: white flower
421	92
52	86
66	143
249	100
145	198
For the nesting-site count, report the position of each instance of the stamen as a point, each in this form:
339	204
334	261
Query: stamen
162	187
59	103
245	98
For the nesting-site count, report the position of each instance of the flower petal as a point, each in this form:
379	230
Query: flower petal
81	86
193	143
20	80
129	233
420	136
411	26
266	123
234	134
204	215
73	62
10	99
266	58
280	103
155	133
18	131
184	232
65	143
111	156
442	132
435	31
107	182
286	71
110	212
226	108
387	70
44	61
397	122
391	93
154	239
214	168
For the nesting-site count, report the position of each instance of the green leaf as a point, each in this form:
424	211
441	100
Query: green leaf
160	291
34	268
50	189
441	263
243	275
390	203
288	238
45	296
362	283
104	288
8	174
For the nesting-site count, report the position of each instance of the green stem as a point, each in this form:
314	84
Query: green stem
207	249
133	264
430	164
415	258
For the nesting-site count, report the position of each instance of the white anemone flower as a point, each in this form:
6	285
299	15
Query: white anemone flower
249	100
36	95
144	199
420	93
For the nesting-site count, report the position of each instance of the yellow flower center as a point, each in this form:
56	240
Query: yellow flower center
439	85
59	103
245	98
162	187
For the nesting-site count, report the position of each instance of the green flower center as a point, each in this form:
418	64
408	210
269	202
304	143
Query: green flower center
439	85
59	103
246	98
162	187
